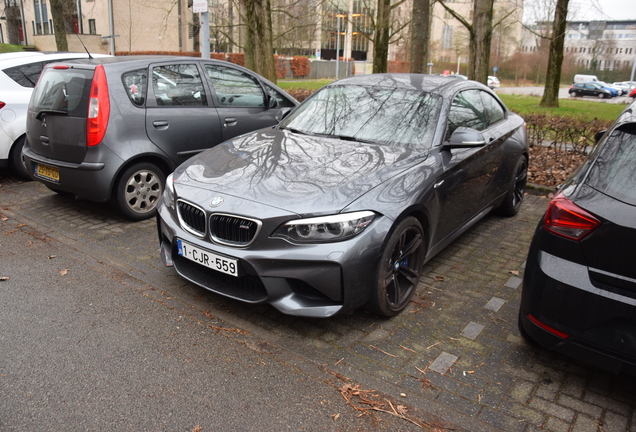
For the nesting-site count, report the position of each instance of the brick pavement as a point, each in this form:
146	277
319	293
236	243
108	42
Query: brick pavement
455	352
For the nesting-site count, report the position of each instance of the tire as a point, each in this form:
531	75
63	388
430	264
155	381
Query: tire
138	189
601	95
17	162
572	94
514	197
399	269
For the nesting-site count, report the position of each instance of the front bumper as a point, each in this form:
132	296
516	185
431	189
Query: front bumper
316	280
576	317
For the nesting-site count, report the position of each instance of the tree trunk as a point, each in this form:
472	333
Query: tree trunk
259	51
12	13
420	34
555	60
381	37
57	11
481	38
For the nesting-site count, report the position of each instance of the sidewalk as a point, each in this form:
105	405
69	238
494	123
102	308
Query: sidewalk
455	353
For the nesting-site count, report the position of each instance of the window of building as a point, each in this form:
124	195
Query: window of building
447	37
92	29
41	18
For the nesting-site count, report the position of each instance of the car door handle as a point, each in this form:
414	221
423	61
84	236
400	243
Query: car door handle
230	121
161	124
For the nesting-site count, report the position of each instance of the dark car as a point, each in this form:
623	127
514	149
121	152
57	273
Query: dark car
341	204
579	288
591	89
114	128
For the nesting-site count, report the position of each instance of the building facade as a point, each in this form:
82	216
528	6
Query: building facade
590	45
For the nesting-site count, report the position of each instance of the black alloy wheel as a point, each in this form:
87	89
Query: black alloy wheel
399	269
512	202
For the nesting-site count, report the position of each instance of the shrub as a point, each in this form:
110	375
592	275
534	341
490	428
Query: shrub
299	94
300	66
280	63
398	67
236	58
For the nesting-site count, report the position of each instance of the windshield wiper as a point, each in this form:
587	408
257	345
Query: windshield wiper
352	138
49	111
299	132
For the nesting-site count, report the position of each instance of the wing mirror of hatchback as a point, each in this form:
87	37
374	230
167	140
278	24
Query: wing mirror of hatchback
599	135
280	115
464	137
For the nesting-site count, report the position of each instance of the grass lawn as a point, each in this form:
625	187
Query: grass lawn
5	48
586	109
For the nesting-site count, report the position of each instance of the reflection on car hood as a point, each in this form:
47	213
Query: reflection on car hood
303	174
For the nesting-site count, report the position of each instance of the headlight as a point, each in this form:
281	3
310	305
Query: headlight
168	191
326	228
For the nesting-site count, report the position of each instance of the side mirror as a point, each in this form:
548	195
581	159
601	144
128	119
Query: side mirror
599	135
464	137
280	115
272	102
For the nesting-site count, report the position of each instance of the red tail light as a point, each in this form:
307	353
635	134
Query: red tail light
98	108
2	104
566	219
548	328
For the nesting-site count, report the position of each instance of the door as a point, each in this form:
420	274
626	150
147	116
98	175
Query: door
179	118
240	100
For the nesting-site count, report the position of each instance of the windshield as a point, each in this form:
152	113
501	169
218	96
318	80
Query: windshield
390	116
63	91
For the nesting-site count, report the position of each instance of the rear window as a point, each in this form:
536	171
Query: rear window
62	91
613	171
25	75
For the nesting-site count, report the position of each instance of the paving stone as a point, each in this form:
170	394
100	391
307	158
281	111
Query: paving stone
472	330
524	413
551	408
555	424
584	423
458	403
443	362
495	304
607	402
579	406
500	420
614	422
521	391
513	282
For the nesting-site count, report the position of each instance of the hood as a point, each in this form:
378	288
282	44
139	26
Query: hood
303	174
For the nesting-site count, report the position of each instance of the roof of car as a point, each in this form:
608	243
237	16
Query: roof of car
421	82
11	61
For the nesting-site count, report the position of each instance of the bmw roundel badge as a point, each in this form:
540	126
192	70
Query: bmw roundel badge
216	201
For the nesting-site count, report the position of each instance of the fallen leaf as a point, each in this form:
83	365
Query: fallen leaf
51	256
64	272
514	272
4	278
439	278
335	416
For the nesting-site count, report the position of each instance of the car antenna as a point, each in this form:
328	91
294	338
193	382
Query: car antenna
85	49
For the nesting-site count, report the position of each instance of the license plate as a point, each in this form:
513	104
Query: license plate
208	259
48	172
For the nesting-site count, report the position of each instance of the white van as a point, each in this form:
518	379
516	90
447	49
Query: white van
580	78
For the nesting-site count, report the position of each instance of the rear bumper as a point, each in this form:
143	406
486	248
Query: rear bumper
90	180
578	319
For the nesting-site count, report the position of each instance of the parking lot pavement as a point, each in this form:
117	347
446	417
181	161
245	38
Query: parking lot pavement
455	352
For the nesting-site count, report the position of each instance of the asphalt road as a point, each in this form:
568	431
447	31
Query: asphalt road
87	347
563	94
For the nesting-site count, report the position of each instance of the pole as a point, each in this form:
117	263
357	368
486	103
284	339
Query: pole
631	77
112	27
338	49
458	59
205	35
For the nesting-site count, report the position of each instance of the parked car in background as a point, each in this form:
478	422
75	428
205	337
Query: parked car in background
632	94
616	90
341	204
582	78
493	82
19	71
579	287
112	129
591	89
624	86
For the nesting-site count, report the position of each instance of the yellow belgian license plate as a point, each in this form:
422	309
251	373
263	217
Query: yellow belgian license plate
48	172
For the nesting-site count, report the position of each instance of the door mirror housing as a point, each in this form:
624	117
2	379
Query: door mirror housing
272	102
280	115
464	137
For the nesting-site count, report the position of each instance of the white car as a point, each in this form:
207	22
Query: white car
493	82
18	74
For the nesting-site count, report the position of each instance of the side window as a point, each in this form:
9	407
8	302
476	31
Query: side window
233	88
494	110
283	102
25	75
467	110
178	85
135	83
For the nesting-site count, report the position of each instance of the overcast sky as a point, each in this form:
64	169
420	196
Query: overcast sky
588	10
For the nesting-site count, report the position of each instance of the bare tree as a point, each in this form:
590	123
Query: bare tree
59	24
259	52
555	59
384	28
420	35
480	32
12	14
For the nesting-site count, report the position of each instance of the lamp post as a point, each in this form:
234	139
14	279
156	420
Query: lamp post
338	48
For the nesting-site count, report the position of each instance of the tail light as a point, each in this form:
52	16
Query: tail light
546	327
566	219
98	108
2	104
